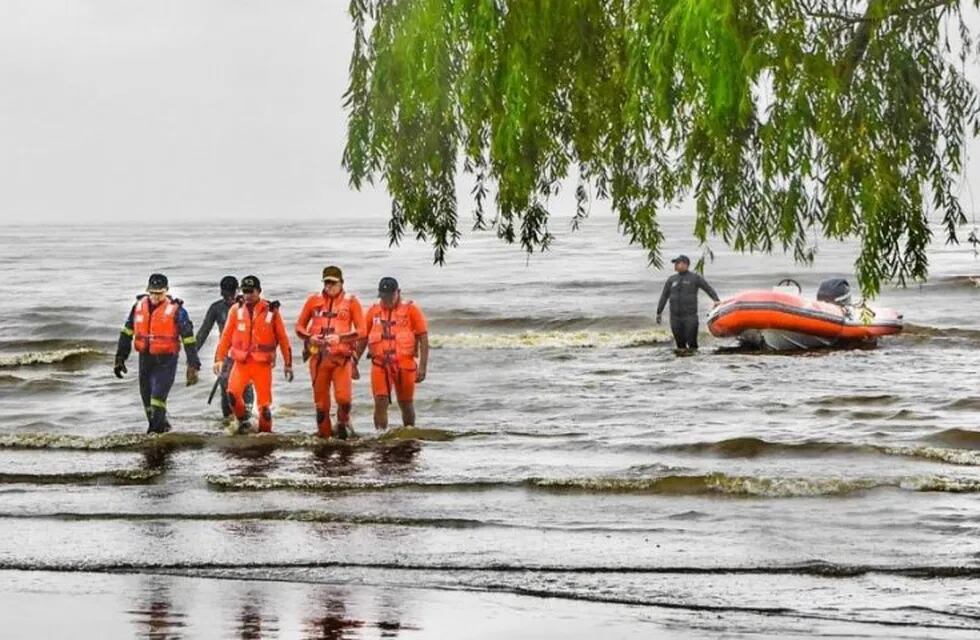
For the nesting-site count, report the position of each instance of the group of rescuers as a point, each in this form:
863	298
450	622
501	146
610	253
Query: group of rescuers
335	333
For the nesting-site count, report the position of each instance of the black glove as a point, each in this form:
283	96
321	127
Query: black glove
120	368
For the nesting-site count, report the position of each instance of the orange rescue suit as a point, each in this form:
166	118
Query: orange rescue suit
156	332
330	365
250	337
392	339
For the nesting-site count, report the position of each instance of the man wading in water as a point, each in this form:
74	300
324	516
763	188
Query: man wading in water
217	315
682	291
158	324
398	341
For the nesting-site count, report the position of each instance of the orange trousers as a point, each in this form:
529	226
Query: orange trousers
259	374
394	378
327	372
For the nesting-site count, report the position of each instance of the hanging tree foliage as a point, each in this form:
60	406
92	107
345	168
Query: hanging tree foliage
784	120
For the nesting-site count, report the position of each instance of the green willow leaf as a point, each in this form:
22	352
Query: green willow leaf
782	120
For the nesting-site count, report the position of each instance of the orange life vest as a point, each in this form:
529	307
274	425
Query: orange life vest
156	332
332	315
255	333
391	336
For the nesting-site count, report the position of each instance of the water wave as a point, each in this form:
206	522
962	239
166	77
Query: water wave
275	515
109	477
971	403
75	355
750	447
960	438
668	485
816	568
551	339
465	320
955	333
196	440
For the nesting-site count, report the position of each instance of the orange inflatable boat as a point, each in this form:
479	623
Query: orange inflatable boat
782	319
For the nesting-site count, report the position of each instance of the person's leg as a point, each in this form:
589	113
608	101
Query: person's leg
320	377
262	381
144	379
382	397
692	332
161	381
677	328
405	391
343	390
226	409
237	380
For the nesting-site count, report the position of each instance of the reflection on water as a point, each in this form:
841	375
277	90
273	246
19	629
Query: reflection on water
253	461
153	612
157	458
400	457
332	460
253	623
331	620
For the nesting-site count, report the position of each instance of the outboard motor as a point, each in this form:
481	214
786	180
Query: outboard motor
836	291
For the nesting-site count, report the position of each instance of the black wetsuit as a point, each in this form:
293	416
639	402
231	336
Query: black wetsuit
217	315
157	372
681	289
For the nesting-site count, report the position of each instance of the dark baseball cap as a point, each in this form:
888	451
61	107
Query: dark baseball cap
682	258
333	273
387	285
157	283
229	283
249	283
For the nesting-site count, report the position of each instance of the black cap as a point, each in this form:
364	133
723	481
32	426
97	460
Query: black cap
158	283
682	258
251	282
387	285
333	273
229	284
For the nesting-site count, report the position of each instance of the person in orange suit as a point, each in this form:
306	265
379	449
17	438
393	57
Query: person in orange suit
252	333
398	341
331	325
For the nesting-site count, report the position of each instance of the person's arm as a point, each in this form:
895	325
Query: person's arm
363	342
124	345
664	296
303	322
207	324
707	288
224	344
357	324
186	329
282	337
421	328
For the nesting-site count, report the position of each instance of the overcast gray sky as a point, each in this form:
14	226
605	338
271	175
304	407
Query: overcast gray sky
177	109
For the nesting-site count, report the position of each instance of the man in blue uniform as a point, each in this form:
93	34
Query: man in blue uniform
157	325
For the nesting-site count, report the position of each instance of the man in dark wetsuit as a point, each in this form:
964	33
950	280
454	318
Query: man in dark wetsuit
217	315
681	289
158	325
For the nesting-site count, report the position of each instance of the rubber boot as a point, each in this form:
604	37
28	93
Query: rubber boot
344	429
158	421
265	420
324	430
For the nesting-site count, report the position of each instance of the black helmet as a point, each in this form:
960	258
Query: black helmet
229	284
158	283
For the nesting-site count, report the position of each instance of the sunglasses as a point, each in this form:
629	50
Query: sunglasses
248	290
